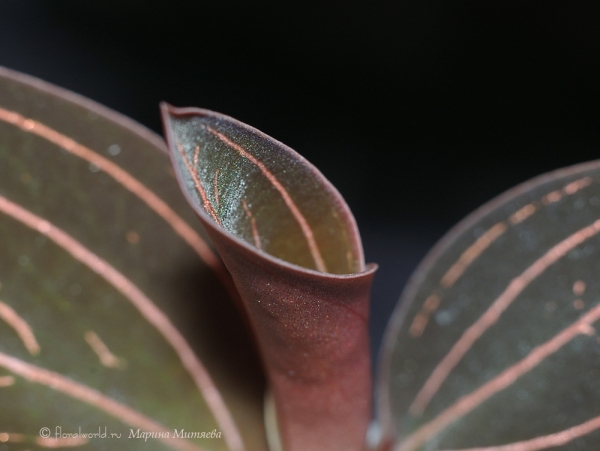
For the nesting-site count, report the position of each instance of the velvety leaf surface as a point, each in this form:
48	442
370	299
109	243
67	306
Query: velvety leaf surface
108	289
280	227
494	343
263	192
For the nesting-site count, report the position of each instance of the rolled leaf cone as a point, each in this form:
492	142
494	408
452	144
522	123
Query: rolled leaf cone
293	249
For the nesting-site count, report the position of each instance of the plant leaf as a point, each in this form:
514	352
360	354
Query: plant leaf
263	192
108	289
493	345
294	252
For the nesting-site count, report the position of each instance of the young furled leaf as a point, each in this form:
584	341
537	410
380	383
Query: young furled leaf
114	313
294	252
493	346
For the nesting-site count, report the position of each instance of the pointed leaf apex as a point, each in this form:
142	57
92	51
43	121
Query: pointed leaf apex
262	192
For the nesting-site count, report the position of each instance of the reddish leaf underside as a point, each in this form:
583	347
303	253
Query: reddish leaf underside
294	252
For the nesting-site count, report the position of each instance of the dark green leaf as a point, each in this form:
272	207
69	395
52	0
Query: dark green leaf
263	192
108	288
493	345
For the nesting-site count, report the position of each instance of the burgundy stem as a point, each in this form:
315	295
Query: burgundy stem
312	332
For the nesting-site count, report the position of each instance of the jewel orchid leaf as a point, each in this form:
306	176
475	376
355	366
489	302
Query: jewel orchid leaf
262	192
115	311
295	255
494	345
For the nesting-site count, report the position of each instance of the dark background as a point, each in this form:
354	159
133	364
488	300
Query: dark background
417	111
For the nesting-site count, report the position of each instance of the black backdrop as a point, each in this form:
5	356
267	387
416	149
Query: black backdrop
418	111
